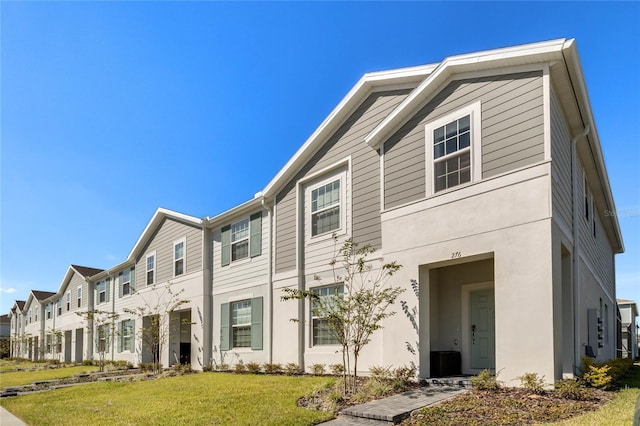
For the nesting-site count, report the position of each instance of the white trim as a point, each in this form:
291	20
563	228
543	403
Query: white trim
546	106
465	353
474	110
146	268
182	240
381	173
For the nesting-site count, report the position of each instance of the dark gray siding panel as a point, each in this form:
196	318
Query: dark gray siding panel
512	131
347	140
561	166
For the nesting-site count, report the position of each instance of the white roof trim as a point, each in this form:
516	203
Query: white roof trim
368	82
460	63
160	214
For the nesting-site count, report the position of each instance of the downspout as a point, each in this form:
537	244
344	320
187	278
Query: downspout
270	278
576	243
207	304
113	311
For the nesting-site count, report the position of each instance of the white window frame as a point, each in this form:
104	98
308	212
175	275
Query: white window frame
128	337
241	325
475	146
182	241
59	307
102	343
79	296
102	289
48	309
340	176
153	270
127	282
317	317
68	300
239	241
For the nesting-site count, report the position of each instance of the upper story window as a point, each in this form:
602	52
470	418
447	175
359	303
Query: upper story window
325	208
125	282
242	239
79	296
151	268
178	258
35	311
453	149
59	306
102	290
68	301
47	311
322	332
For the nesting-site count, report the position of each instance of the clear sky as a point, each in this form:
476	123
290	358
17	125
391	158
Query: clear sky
110	110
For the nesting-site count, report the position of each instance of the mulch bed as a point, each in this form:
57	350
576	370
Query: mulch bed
507	407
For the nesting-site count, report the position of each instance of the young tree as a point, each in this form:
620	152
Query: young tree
54	342
358	312
102	324
155	317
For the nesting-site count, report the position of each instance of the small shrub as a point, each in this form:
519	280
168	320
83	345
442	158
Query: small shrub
317	369
223	366
404	374
182	369
207	368
378	388
620	367
272	368
87	362
485	381
532	382
292	369
337	369
380	373
571	389
253	367
598	377
240	368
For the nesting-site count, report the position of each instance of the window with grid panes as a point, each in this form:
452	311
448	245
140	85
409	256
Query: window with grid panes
323	334
241	324
325	208
452	153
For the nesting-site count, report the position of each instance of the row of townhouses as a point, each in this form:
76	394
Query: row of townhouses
482	175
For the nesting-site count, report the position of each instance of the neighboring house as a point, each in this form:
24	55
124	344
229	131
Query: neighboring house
482	175
628	328
5	336
16	327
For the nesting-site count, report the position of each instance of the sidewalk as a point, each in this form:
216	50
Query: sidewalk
8	419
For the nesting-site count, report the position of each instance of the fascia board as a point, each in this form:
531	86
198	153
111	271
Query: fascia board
577	77
235	211
510	56
157	217
354	97
109	272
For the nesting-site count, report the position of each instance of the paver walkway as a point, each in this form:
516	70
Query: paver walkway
394	409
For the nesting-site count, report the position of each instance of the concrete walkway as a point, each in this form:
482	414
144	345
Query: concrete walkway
394	409
8	419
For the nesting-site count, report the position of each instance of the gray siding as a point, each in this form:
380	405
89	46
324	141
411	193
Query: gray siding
243	273
596	249
512	131
561	166
161	242
365	186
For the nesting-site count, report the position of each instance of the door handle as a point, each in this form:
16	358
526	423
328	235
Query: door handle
473	334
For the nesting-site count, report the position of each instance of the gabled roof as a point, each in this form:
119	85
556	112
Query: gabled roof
155	221
42	295
20	304
370	82
86	271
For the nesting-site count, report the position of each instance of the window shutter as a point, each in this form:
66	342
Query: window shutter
120	288
120	335
256	323
106	339
132	277
108	285
255	241
133	335
225	329
226	245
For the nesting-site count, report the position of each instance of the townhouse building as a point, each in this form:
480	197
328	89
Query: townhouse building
482	175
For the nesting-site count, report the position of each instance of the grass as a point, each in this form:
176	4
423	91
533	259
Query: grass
617	412
207	398
18	378
12	365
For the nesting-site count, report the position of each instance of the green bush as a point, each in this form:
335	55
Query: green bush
223	366
337	369
317	369
240	368
598	377
571	389
380	373
292	369
532	382
272	368
207	368
486	381
253	367
87	362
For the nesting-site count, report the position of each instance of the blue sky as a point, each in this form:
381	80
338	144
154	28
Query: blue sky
110	110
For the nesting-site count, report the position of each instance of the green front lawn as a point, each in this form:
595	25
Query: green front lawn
19	378
207	398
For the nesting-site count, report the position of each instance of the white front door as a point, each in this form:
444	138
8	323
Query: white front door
482	329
